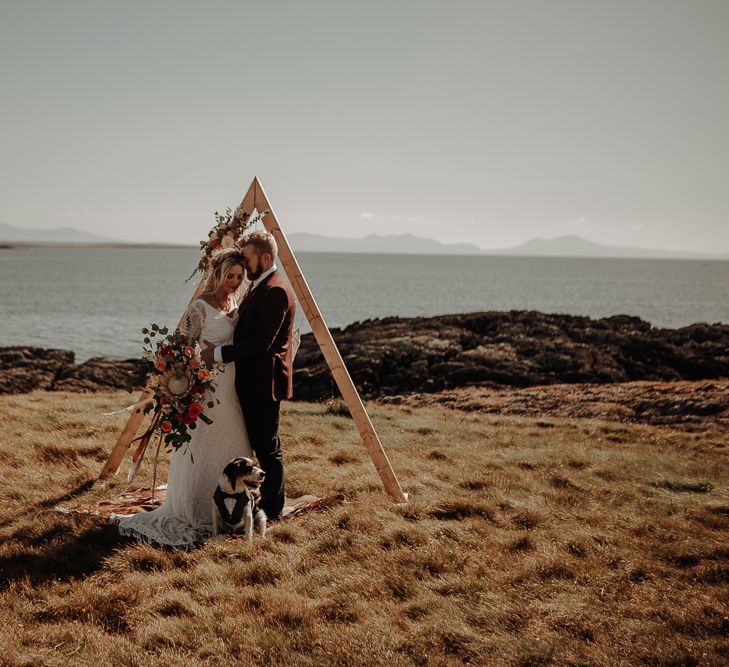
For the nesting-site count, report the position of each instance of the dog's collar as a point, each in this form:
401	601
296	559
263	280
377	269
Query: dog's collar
241	500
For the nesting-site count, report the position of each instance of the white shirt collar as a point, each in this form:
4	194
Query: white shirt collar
262	277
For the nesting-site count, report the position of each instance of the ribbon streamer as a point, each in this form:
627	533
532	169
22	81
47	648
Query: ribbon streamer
141	448
129	408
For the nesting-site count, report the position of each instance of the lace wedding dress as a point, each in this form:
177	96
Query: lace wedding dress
185	517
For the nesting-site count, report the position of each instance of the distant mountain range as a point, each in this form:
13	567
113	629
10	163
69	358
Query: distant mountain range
407	244
12	234
563	246
402	244
576	246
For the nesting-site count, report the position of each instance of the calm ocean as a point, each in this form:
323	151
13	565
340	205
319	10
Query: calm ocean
95	301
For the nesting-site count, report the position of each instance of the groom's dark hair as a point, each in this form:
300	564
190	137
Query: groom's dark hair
262	242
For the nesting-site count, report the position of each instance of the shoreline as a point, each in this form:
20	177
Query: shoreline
407	355
519	362
119	245
23	245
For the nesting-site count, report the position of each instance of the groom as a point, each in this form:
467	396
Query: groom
262	354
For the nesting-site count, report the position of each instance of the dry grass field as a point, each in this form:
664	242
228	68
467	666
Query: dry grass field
526	542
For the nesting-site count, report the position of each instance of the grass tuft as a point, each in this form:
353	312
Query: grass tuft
463	509
684	487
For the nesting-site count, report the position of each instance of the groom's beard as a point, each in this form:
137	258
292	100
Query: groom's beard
253	275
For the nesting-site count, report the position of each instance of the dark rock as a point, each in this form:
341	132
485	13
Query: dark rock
517	348
405	356
96	374
23	369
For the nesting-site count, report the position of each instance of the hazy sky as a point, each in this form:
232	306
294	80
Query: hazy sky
487	122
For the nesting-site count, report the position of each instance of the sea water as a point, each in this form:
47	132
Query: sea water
95	300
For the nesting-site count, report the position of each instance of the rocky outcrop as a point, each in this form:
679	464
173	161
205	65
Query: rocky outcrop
519	348
697	406
23	369
96	374
399	356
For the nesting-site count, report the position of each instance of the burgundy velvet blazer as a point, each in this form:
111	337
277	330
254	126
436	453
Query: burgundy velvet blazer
261	348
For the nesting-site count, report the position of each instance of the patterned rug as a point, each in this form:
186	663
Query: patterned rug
141	500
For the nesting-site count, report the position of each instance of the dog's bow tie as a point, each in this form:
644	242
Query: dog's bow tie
241	500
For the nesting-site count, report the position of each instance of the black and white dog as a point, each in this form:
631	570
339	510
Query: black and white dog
236	499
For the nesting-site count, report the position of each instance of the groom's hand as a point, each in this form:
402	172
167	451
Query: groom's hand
207	354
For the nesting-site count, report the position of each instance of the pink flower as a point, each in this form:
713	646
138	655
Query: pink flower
188	350
193	363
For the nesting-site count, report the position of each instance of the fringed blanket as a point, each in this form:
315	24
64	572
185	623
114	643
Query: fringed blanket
140	500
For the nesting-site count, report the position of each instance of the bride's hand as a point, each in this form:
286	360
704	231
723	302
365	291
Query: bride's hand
207	354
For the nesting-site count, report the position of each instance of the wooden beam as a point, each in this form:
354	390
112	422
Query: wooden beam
328	347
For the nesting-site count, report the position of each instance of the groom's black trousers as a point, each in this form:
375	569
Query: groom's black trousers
262	418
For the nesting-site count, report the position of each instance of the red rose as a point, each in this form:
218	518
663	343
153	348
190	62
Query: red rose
198	389
166	426
189	351
189	420
194	410
164	400
215	244
193	363
161	365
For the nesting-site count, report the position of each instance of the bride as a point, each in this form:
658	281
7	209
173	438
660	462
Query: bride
185	516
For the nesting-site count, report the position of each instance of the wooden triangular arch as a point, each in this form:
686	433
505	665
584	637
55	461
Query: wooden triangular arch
255	199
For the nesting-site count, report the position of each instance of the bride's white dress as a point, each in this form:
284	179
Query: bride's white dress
185	517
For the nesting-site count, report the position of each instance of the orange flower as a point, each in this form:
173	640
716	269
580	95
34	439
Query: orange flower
189	351
193	363
161	365
166	426
203	374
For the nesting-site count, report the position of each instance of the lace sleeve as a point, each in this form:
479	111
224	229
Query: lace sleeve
193	320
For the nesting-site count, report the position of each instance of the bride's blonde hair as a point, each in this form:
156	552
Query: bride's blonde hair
221	264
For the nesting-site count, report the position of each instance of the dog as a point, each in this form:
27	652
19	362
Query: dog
236	500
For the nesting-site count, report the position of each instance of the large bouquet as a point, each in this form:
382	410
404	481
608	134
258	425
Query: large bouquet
229	228
173	370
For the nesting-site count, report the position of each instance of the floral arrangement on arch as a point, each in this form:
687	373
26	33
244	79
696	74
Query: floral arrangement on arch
228	229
